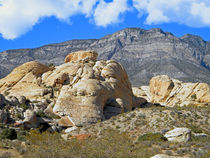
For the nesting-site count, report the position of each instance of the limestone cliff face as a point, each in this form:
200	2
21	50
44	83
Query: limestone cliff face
83	89
143	53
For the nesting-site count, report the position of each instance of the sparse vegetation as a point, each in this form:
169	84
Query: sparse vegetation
41	114
8	133
152	137
194	96
23	106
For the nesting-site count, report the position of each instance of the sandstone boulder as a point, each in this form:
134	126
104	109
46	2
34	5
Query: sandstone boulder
160	88
172	92
178	135
24	80
81	55
92	88
66	122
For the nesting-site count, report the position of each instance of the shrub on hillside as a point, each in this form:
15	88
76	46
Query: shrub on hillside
8	133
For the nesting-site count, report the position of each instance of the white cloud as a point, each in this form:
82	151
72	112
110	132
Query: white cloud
108	13
19	16
189	12
201	12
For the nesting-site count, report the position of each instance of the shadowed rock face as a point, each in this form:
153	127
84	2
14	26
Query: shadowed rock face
143	53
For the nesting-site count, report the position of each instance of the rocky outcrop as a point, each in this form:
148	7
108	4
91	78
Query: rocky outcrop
92	90
172	92
24	80
160	88
81	91
81	55
178	135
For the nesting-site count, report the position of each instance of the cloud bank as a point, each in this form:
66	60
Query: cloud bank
194	13
19	16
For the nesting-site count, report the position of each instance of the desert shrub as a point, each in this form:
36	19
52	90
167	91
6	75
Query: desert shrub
194	96
21	135
23	106
6	93
41	114
8	133
6	155
200	139
18	115
110	144
194	128
152	137
51	65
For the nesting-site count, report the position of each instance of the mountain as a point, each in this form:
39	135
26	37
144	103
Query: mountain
143	53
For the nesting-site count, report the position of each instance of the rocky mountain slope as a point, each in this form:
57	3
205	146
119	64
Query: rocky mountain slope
143	53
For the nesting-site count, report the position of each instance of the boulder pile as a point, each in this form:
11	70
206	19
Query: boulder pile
81	91
171	92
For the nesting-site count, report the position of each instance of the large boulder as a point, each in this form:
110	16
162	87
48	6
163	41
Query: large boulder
91	89
178	135
24	80
160	88
81	55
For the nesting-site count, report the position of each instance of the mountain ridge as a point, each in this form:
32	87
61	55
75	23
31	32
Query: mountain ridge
143	53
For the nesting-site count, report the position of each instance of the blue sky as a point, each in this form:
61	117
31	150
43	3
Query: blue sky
33	23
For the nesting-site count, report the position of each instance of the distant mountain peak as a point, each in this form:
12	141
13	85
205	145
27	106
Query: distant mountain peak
143	53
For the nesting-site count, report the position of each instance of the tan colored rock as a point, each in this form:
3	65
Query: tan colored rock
85	90
24	80
90	88
66	122
80	55
173	92
142	92
160	88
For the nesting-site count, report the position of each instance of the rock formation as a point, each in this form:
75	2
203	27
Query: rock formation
92	90
24	80
80	55
178	135
82	89
172	92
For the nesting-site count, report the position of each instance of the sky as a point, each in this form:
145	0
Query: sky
33	23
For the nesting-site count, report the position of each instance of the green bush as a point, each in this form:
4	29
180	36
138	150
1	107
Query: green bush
194	96
51	65
8	133
41	114
152	137
23	106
